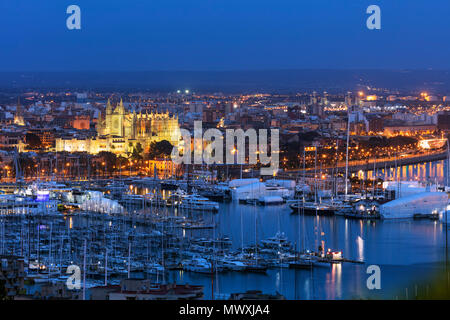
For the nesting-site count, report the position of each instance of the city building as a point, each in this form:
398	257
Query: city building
119	131
11	275
443	121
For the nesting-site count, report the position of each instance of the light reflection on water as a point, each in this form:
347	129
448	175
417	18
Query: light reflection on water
436	171
405	250
360	243
338	233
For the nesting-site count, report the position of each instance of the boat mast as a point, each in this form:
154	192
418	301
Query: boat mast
242	232
303	200
106	266
129	258
446	211
448	164
256	233
84	270
374	176
336	172
315	174
346	152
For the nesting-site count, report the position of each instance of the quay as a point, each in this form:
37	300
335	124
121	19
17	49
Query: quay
358	165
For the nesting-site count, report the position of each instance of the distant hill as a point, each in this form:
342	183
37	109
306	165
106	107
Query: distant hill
283	81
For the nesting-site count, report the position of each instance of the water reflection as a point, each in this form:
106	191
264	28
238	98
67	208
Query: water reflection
405	244
360	243
335	285
405	250
436	171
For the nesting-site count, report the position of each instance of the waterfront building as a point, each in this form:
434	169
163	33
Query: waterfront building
443	121
11	275
144	289
57	291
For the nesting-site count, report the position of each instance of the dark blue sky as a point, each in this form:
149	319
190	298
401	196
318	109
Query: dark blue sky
223	35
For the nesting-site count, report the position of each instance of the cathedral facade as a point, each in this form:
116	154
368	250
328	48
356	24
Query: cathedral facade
119	131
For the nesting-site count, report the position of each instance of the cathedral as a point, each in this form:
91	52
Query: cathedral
119	131
18	118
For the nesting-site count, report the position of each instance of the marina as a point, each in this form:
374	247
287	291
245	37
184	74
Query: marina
316	248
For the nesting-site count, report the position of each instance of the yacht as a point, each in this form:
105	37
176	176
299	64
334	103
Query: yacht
319	259
132	199
364	209
197	264
197	225
216	193
279	240
310	208
232	264
270	200
170	184
198	203
301	263
155	269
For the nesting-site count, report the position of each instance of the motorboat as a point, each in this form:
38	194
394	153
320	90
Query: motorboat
270	200
198	203
309	208
368	210
198	265
232	264
278	241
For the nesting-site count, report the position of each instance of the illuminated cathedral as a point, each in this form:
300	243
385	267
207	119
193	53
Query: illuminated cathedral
119	131
18	118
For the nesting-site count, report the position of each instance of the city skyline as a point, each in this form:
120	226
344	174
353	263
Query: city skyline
224	150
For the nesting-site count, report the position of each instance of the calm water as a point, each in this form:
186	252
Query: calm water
407	252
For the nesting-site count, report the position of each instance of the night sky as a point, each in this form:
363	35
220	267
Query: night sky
134	35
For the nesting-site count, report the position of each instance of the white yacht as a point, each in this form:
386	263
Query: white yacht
198	203
279	240
232	263
197	264
132	199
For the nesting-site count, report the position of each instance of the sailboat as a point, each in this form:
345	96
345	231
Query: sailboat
255	264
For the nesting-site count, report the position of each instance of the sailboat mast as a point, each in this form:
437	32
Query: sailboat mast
106	267
346	152
315	174
256	234
129	259
84	270
374	176
448	164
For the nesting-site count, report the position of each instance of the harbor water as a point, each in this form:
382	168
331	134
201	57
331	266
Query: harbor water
408	252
